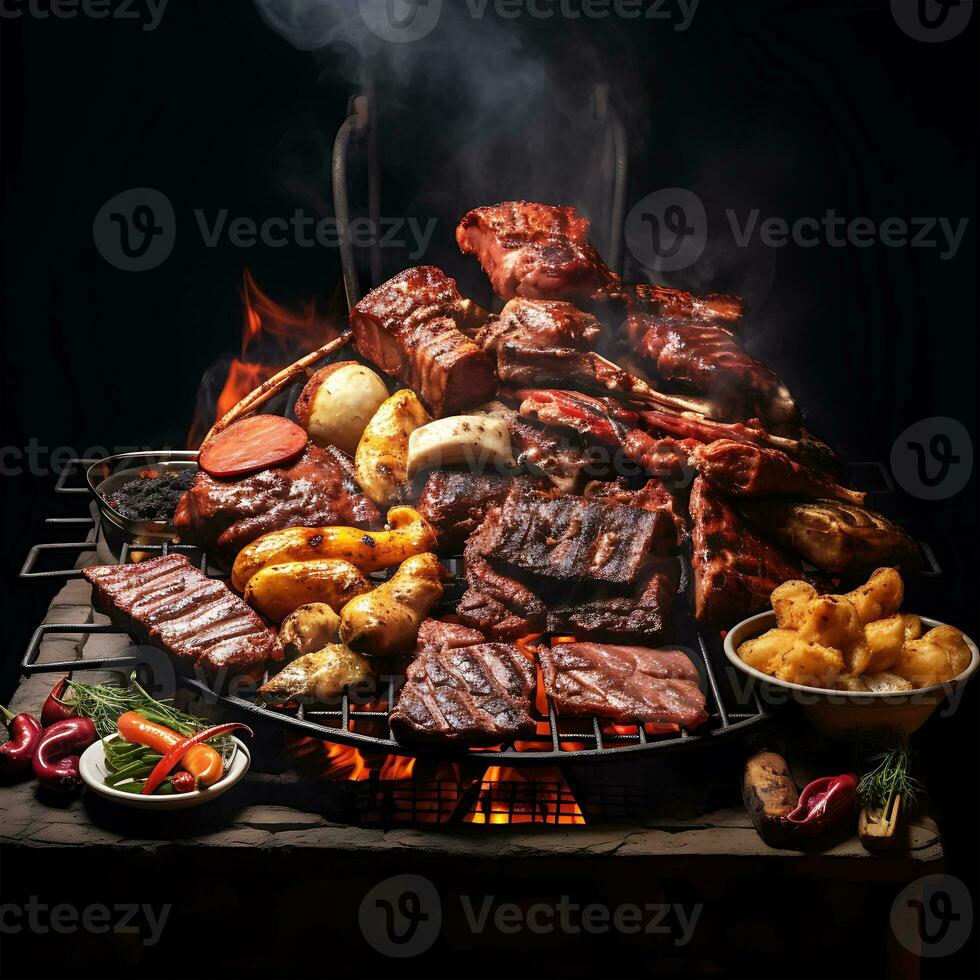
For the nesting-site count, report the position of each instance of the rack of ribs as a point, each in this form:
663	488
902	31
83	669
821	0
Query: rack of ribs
318	490
535	250
198	620
735	571
409	327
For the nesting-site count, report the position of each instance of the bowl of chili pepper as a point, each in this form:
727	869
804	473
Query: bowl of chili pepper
146	765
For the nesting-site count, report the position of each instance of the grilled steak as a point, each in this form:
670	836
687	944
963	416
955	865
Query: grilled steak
571	538
479	694
623	683
408	327
435	635
454	503
199	621
535	250
735	571
318	490
642	618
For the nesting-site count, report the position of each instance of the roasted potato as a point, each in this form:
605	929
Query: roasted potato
476	440
386	621
789	602
320	675
937	657
310	627
278	590
885	637
409	534
338	402
764	652
879	597
381	459
810	664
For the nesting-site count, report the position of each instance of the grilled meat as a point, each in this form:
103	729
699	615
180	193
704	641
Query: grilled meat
535	250
408	327
623	683
735	571
318	490
320	676
199	621
454	502
601	420
836	537
550	454
435	635
479	694
723	309
640	617
570	538
652	496
745	470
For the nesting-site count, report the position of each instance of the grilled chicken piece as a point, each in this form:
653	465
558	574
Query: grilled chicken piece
198	620
535	250
318	676
735	571
476	694
836	537
409	327
623	683
744	470
318	490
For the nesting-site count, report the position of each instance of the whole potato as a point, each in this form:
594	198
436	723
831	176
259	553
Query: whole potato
338	402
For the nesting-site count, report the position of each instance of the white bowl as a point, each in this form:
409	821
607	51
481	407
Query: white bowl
845	713
93	770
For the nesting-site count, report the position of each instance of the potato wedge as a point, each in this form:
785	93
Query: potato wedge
310	627
810	664
790	601
937	657
409	534
278	590
381	459
879	597
320	675
386	621
764	652
885	637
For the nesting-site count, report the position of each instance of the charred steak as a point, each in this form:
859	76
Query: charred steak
408	327
455	502
318	490
735	571
478	694
623	683
198	620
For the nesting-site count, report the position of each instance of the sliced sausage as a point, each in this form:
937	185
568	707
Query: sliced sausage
250	444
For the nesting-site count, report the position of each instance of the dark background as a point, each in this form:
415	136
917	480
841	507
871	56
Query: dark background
792	108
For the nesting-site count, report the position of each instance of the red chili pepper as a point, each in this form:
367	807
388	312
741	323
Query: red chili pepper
823	803
58	751
54	709
183	782
174	756
16	754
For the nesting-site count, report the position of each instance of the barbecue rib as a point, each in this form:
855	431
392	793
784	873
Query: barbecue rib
478	694
572	539
745	470
408	327
535	250
455	503
623	683
199	621
735	571
318	490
